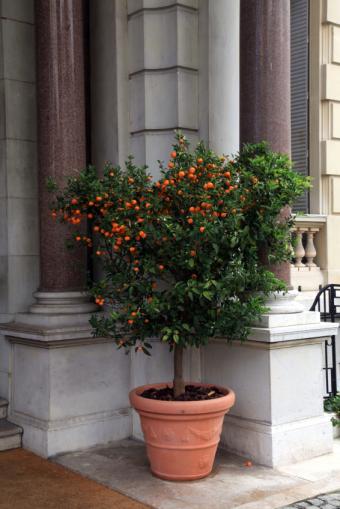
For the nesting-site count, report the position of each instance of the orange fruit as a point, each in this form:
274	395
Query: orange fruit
202	228
74	201
173	154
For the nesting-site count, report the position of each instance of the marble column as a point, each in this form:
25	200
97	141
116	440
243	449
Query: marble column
265	80
61	141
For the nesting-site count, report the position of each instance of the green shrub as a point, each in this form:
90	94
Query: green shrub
181	255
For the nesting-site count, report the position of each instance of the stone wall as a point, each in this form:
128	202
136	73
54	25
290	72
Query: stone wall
325	129
19	247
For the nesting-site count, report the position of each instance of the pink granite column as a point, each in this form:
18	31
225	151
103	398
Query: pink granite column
61	131
265	79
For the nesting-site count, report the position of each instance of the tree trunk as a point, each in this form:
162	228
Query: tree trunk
179	385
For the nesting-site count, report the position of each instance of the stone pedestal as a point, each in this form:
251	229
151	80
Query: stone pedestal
277	375
68	390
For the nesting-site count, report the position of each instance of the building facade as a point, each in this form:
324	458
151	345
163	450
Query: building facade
94	81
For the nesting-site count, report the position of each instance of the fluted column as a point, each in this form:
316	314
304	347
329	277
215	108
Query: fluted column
61	131
265	80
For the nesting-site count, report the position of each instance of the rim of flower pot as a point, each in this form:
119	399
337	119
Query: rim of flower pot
181	407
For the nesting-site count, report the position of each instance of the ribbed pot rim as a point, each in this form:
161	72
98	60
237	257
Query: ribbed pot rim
181	407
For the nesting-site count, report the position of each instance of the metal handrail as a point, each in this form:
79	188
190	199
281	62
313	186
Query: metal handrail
325	303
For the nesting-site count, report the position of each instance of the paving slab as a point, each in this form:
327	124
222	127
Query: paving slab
123	466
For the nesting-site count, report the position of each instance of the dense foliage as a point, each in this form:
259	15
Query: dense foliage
181	254
332	405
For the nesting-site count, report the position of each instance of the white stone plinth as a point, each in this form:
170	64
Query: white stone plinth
68	390
277	376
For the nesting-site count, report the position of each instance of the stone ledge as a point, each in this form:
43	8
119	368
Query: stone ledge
60	424
294	332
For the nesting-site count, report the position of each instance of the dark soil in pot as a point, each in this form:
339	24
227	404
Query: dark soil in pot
192	393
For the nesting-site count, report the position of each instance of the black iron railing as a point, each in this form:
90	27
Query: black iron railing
327	302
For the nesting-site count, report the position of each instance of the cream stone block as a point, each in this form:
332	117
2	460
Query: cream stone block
4	385
5	354
164	100
335	120
336	196
278	415
2	105
307	279
331	11
137	111
104	79
71	396
161	39
23	229
333	242
21	167
23	280
137	5
3	227
336	44
330	157
20	10
21	122
4	288
151	147
90	371
18	50
331	82
3	169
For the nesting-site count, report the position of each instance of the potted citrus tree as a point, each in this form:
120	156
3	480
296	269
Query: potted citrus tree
181	263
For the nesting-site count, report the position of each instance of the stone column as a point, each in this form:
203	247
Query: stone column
219	74
61	144
265	81
265	73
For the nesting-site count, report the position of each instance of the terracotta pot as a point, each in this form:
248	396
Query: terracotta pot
181	436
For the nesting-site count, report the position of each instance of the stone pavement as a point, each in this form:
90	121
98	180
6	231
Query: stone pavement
123	466
327	501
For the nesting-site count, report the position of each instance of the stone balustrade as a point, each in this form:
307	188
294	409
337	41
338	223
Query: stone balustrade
307	267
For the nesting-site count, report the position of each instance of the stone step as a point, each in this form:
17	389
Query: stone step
3	408
10	435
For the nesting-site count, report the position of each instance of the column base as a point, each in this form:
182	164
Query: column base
67	303
51	437
278	445
69	390
277	377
